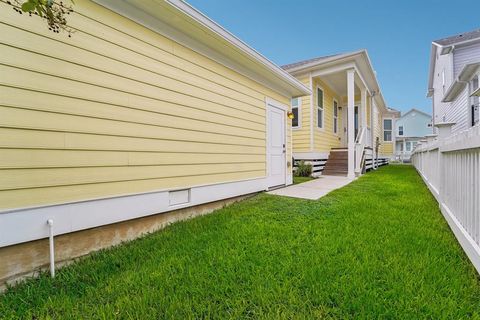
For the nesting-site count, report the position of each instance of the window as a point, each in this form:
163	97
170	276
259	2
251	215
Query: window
319	108
296	114
387	129
475	101
400	130
335	116
409	146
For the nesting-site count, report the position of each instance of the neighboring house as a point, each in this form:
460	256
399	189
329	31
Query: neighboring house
449	160
454	80
136	114
343	86
411	127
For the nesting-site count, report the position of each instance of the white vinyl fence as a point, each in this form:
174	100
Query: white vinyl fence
450	166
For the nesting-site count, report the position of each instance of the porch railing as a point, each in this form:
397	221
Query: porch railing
450	167
360	144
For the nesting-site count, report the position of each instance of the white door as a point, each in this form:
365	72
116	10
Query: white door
276	148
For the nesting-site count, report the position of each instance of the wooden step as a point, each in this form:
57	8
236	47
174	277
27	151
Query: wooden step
337	163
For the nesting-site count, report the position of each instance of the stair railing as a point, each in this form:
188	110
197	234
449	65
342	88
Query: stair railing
360	143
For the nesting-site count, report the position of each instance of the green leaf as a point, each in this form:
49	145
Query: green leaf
28	6
40	11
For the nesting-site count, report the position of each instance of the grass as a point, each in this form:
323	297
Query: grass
297	180
377	248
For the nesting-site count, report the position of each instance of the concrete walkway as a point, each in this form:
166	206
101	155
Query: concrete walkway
314	189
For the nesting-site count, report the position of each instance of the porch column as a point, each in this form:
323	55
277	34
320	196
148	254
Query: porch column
364	108
351	119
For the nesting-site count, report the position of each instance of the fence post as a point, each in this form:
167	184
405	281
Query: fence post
444	131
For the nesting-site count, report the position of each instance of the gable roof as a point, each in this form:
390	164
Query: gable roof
445	45
458	38
177	20
416	110
308	61
359	59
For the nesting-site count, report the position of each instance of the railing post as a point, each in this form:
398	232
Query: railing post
444	131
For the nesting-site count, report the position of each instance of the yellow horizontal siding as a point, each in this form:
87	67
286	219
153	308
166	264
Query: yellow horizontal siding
386	149
38	158
325	139
141	110
40	120
62	194
301	136
52	84
118	109
35	178
34	139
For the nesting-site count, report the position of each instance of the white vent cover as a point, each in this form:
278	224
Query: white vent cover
179	197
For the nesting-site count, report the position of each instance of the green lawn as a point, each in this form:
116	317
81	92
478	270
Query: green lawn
378	248
297	180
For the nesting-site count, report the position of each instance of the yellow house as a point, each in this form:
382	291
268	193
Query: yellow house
337	127
135	121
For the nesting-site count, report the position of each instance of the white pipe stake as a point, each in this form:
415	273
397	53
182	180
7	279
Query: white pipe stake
52	248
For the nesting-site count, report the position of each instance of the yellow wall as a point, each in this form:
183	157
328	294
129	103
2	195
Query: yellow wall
386	148
324	138
118	109
301	136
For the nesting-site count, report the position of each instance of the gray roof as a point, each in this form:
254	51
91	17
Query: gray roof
305	62
475	34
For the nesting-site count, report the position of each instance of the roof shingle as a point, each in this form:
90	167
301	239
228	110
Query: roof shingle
308	61
459	38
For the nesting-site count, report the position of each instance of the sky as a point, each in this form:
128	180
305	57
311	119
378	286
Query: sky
397	34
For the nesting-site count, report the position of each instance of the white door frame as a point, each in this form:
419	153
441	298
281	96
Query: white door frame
269	102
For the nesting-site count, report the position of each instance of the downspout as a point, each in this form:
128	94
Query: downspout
52	247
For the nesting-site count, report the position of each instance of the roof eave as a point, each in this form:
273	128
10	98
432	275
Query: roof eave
433	54
205	21
306	67
240	54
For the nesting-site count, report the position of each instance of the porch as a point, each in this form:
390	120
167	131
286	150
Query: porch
345	112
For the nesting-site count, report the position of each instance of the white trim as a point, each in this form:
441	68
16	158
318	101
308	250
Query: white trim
311	113
22	225
333	69
310	155
333	115
299	107
276	104
383	129
322	128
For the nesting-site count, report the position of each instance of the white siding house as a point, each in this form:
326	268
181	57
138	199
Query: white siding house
449	162
410	128
453	78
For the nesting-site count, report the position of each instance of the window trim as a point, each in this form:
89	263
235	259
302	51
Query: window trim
407	145
383	130
403	130
318	87
299	108
335	118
